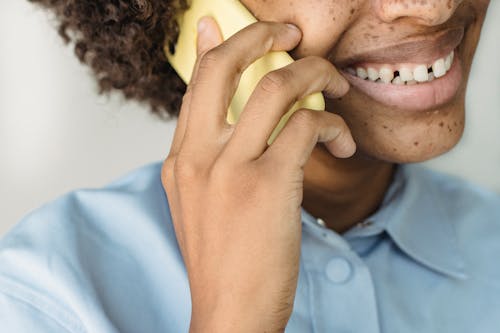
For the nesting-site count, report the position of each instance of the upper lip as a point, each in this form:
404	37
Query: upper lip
420	50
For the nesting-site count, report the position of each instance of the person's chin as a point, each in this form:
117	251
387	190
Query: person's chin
387	134
417	140
415	149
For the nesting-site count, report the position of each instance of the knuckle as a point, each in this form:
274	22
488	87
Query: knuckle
276	81
259	26
267	31
331	79
186	170
337	121
304	118
168	165
335	118
263	27
210	59
317	64
167	168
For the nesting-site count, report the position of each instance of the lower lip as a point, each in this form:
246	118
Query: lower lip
418	97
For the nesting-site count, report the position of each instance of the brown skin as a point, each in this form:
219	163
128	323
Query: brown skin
344	192
236	212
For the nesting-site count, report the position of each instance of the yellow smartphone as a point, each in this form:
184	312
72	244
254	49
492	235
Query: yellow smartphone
232	16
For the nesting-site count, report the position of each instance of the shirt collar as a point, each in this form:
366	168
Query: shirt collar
414	215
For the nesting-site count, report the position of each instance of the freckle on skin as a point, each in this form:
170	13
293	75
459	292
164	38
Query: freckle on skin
416	143
441	124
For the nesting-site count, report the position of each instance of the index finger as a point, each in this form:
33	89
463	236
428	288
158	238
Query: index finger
220	70
210	39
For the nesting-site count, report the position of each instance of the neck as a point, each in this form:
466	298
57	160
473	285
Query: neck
344	192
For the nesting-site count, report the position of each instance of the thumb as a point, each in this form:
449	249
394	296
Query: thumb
209	34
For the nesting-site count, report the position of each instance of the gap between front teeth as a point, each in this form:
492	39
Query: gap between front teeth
405	75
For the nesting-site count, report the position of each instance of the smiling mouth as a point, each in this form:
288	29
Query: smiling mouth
432	79
416	90
403	74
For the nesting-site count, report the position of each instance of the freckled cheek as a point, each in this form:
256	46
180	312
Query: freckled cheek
399	137
317	40
330	18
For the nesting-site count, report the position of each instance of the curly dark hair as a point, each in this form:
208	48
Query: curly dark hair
122	42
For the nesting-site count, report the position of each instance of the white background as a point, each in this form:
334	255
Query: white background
57	134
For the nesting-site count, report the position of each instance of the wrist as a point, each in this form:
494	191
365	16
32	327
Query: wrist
225	325
232	320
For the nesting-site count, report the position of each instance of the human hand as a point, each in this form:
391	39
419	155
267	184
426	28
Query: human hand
235	201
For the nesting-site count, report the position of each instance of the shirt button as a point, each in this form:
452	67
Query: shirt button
338	270
365	224
321	222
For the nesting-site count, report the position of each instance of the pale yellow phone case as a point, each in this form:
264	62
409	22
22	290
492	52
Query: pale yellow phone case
232	16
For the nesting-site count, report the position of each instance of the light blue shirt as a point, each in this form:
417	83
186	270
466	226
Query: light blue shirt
107	260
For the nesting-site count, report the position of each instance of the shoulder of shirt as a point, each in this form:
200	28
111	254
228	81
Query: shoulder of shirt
474	213
461	198
134	201
54	251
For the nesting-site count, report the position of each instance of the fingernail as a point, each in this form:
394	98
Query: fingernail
202	24
293	27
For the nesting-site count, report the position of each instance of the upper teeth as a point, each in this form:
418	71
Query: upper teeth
405	74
